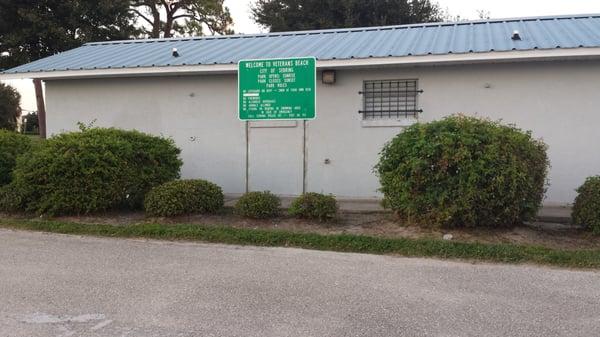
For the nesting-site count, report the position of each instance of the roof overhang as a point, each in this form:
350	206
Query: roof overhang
426	60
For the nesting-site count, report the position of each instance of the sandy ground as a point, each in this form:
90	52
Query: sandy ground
380	224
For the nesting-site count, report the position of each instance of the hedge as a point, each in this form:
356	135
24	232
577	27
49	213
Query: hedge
93	170
12	145
586	210
463	171
314	206
258	205
184	197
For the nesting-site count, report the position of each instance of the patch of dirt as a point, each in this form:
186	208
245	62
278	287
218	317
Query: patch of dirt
379	224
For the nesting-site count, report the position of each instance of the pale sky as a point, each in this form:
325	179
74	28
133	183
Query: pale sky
466	9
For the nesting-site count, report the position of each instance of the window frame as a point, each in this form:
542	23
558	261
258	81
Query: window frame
371	115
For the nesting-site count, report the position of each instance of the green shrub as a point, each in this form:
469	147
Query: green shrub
258	205
184	197
12	144
586	210
94	170
11	200
314	206
463	171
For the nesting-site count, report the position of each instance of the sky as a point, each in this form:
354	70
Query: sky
466	9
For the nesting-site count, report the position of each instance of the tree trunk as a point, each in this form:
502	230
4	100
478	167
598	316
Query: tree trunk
41	107
156	24
169	23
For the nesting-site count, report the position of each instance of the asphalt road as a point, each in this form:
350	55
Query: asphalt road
55	285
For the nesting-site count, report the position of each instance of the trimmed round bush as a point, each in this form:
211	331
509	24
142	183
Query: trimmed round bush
184	197
314	206
463	171
586	210
258	205
12	144
94	170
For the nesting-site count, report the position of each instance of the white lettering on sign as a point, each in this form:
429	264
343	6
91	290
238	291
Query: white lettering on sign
283	63
255	64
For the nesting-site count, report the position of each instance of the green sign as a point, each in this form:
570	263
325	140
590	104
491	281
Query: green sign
277	89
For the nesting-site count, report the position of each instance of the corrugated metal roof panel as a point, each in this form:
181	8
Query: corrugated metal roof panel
395	41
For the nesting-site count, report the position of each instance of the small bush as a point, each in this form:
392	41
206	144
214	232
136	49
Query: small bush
586	210
258	205
94	170
463	171
12	144
314	206
184	197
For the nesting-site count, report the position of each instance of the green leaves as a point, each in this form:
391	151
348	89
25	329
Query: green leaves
94	170
184	17
586	210
463	171
12	145
288	15
30	30
258	205
184	197
10	106
314	206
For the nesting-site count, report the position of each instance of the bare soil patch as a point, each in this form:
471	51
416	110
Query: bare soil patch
378	224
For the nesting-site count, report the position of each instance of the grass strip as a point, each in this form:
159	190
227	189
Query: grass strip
505	253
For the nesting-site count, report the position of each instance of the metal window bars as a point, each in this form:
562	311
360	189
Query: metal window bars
390	99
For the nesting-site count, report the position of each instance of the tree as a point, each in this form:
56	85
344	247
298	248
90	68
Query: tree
10	107
288	15
184	17
30	30
31	123
482	14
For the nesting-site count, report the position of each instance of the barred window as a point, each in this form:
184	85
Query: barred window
390	99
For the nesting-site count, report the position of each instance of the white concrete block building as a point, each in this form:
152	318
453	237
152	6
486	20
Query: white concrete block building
542	74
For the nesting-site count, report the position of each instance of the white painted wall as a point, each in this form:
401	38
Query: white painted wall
193	111
558	101
276	161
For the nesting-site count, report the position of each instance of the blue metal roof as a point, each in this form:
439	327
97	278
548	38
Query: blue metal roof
576	31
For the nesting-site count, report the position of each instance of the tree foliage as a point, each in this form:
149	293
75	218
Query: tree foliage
31	123
288	15
185	17
10	107
30	30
